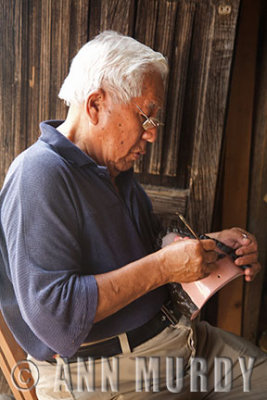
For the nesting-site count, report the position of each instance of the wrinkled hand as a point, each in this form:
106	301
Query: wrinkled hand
246	247
187	260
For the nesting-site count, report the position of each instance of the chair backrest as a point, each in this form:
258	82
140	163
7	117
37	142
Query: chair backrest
12	361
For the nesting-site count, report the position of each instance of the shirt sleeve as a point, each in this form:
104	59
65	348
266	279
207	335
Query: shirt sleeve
41	227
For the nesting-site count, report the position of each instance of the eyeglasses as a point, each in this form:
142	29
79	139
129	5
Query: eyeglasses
150	122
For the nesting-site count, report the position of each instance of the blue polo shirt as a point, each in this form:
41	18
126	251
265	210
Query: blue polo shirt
62	222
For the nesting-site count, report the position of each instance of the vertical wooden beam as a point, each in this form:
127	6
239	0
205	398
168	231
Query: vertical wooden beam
13	78
45	60
59	57
237	152
257	217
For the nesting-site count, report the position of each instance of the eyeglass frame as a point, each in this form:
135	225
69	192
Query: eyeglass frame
151	121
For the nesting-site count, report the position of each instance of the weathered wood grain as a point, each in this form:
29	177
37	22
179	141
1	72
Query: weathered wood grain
94	18
117	15
212	79
59	56
164	37
18	105
179	78
13	110
45	59
257	215
166	201
34	66
237	163
6	87
79	25
145	29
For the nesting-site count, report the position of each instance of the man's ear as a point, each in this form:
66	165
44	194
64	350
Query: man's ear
94	105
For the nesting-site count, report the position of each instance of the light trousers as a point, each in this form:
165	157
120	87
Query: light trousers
185	361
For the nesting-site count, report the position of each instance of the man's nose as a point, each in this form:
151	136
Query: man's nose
150	135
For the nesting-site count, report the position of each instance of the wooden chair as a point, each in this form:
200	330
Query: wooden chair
10	355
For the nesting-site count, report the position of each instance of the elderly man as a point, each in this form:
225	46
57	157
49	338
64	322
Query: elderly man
81	275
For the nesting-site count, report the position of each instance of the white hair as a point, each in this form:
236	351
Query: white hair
114	62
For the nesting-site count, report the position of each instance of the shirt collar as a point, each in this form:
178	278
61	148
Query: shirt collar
62	145
69	151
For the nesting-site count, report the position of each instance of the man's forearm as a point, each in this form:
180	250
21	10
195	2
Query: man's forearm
120	287
183	261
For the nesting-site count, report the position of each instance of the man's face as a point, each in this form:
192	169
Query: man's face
122	138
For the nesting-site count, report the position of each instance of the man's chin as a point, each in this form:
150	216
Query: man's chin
124	166
115	169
